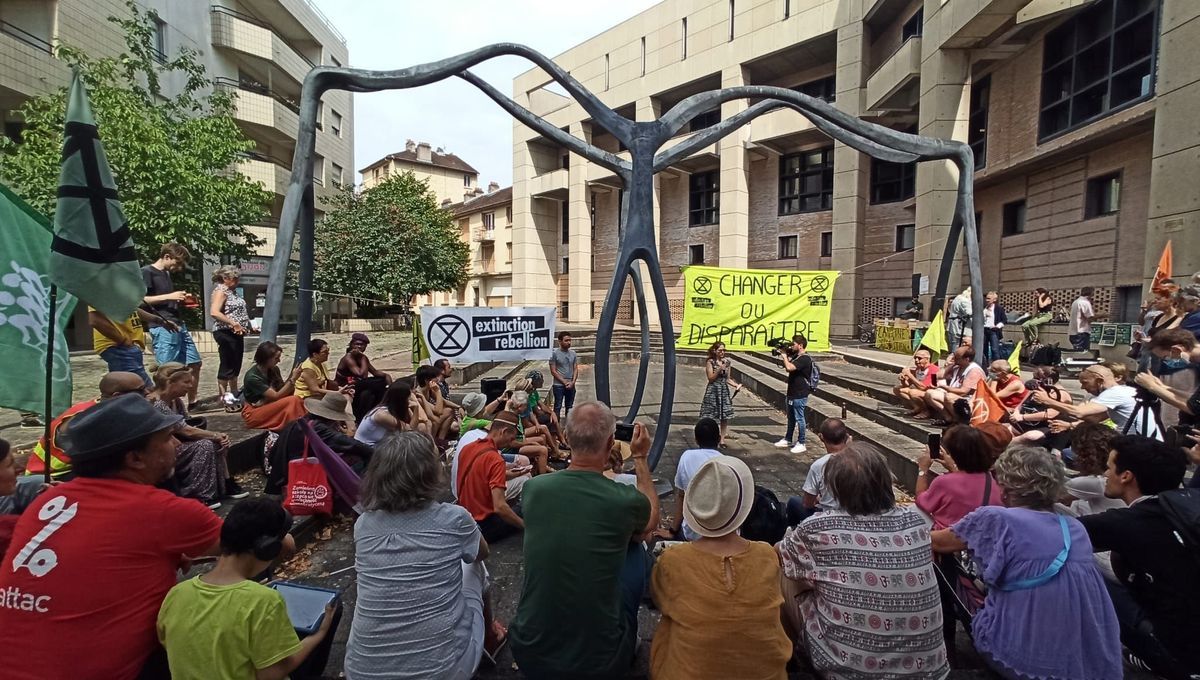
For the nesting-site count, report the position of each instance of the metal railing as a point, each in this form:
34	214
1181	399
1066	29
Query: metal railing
485	234
26	37
257	88
218	9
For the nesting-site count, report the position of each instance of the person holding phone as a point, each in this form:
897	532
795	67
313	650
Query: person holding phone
968	484
915	381
222	624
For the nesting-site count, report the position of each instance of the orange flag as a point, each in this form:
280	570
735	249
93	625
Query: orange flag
1162	272
986	406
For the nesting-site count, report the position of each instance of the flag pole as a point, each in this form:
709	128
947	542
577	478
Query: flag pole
47	415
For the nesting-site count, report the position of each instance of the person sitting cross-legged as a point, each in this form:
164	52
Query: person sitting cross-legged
587	568
719	595
92	559
224	625
482	480
961	379
915	381
860	595
423	611
1047	613
1157	594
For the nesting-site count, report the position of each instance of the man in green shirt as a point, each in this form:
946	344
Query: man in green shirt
586	569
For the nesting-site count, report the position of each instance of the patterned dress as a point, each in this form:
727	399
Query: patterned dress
718	403
871	609
234	308
199	467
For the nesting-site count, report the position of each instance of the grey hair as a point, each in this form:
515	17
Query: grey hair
518	401
590	425
860	480
1188	295
1031	476
221	273
404	474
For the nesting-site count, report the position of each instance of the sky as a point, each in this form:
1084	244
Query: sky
392	34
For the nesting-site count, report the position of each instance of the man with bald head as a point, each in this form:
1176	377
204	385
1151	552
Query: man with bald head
586	569
113	384
915	381
961	378
1111	401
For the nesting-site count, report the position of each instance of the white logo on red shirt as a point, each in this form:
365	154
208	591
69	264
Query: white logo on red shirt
43	561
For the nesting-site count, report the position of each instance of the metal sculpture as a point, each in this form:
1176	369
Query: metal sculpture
644	141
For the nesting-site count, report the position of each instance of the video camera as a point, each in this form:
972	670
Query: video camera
779	346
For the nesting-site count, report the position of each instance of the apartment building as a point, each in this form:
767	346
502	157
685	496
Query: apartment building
450	178
260	49
1079	113
485	224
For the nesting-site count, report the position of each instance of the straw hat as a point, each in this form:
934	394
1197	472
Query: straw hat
719	497
332	405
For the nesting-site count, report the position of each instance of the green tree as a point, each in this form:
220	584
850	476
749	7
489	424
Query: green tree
389	240
172	155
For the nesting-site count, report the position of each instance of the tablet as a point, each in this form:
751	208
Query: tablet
305	604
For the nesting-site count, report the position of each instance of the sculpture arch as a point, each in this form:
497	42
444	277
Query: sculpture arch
644	141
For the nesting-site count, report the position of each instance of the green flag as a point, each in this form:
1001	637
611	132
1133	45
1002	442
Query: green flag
92	254
419	351
25	310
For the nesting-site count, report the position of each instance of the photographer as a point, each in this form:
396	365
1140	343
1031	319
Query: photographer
799	367
1178	353
1111	402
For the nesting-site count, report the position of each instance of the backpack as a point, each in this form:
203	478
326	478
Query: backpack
1045	355
814	376
1181	507
766	520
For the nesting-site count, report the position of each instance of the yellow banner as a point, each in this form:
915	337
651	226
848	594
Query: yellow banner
749	308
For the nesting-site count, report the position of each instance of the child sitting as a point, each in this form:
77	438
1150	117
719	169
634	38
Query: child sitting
224	625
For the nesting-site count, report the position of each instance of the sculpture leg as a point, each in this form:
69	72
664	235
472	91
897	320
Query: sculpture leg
964	214
668	340
604	330
644	364
304	306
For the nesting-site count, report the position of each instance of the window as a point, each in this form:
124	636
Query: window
620	213
1103	196
593	260
489	221
566	265
912	27
1099	61
1128	304
806	181
159	36
643	55
731	13
508	214
564	311
319	169
891	182
564	161
981	91
703	199
827	244
335	174
705	120
508	253
904	237
696	254
899	305
787	8
606	64
822	88
1014	218
787	247
466	180
566	223
684	40
335	125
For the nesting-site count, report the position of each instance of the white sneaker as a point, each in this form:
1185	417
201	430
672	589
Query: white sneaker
799	448
782	444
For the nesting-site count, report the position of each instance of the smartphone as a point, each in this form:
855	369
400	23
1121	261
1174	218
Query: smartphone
934	440
624	432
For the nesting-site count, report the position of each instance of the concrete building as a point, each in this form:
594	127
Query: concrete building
450	177
485	223
1079	111
261	49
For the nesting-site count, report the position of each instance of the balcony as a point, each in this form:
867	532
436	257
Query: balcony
485	235
266	109
895	85
247	35
550	185
272	174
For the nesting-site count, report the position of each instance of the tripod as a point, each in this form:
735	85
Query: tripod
1145	407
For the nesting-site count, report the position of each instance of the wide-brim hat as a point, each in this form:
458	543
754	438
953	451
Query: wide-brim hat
331	405
720	496
473	404
112	426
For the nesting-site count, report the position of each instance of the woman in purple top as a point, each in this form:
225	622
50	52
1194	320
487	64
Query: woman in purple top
1047	612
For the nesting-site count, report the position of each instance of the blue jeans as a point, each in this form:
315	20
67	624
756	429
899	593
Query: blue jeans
128	359
1080	341
177	346
991	345
796	409
563	398
635	583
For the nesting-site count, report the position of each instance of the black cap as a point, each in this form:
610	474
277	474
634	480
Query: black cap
111	426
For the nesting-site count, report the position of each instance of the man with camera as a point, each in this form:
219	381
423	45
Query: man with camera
1111	401
799	367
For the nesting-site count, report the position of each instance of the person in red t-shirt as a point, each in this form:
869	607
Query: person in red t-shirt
482	481
92	559
1006	384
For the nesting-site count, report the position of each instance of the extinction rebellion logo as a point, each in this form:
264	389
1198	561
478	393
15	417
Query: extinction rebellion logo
503	333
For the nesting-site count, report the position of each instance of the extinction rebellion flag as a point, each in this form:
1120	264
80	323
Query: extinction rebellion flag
92	253
25	309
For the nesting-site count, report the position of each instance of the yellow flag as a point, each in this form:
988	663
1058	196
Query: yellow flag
935	337
1014	359
419	351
